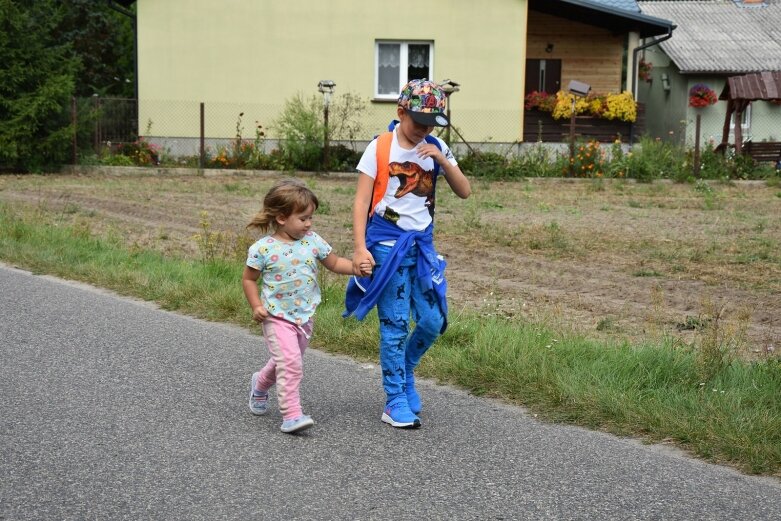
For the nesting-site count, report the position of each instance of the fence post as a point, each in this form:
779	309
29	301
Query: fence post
74	122
96	143
202	151
571	170
697	126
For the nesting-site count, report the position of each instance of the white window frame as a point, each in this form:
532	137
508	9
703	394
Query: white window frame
403	65
745	127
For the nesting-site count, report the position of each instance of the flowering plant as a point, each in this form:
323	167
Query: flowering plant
539	100
140	152
701	96
604	106
644	70
589	160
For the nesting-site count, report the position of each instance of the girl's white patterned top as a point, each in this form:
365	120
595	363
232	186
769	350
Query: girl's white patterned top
289	288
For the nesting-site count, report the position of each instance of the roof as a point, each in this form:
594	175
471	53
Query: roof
626	5
721	36
755	86
614	15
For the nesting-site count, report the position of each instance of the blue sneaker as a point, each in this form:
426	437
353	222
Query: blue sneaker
413	398
258	403
297	424
398	414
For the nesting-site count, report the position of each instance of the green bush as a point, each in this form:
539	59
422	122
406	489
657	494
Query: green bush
301	128
342	158
656	159
541	161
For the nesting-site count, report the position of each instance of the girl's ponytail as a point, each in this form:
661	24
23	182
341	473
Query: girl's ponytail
284	198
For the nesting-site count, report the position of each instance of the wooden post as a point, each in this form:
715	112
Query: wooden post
572	141
325	137
202	148
96	137
697	126
725	129
75	123
739	128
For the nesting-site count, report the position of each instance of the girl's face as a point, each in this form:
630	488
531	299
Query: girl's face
413	132
294	226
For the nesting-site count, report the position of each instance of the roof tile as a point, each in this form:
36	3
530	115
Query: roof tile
721	36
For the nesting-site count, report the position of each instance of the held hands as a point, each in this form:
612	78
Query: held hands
363	263
365	269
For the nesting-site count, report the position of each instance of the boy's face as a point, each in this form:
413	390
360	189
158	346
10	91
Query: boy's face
414	132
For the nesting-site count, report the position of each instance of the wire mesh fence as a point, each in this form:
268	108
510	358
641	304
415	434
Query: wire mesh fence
190	131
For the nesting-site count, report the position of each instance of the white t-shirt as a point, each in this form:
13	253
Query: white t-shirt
410	191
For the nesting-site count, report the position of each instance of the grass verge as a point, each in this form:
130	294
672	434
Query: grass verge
725	411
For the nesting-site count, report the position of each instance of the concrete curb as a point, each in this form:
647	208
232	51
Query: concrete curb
182	171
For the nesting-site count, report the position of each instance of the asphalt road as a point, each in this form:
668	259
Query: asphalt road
114	409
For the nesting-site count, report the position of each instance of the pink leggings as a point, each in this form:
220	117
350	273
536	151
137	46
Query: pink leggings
286	343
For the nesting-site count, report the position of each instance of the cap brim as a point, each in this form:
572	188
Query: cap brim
429	119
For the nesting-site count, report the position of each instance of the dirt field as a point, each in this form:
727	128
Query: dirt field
612	260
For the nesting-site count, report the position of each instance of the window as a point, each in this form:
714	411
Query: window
745	123
399	62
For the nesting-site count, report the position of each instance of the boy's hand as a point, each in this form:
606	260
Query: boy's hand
362	262
259	314
429	150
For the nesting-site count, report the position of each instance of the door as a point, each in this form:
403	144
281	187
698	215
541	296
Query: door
543	75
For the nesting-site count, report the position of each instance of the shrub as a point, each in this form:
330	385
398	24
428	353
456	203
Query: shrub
485	164
589	160
345	119
140	152
300	126
654	159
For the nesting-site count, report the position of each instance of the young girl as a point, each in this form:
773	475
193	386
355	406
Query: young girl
286	263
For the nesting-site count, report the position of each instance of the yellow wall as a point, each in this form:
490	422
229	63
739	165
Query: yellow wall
259	53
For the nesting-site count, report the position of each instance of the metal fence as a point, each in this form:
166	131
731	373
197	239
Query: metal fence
186	129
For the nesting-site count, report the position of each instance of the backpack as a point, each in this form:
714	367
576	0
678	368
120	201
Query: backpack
384	141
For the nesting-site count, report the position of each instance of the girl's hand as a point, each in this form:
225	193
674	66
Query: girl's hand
259	314
365	269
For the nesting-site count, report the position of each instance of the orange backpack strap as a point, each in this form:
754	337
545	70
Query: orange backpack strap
384	141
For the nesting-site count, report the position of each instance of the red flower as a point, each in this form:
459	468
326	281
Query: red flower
702	96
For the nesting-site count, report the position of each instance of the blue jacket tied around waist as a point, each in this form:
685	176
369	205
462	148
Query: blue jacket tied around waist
363	292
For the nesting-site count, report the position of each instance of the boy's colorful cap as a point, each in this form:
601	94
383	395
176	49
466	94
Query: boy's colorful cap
425	102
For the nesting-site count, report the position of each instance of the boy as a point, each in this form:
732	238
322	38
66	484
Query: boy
398	240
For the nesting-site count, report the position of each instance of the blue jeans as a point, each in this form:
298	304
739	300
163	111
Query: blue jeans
400	351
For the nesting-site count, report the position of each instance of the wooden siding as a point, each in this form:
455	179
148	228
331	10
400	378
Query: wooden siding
589	54
540	126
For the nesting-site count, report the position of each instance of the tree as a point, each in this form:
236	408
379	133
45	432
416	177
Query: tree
102	39
36	85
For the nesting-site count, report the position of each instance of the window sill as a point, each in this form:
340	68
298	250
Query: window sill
384	100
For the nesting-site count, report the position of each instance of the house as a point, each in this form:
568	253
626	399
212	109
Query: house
249	57
714	40
593	42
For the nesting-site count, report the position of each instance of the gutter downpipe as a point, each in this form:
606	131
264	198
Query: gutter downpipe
636	50
636	65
